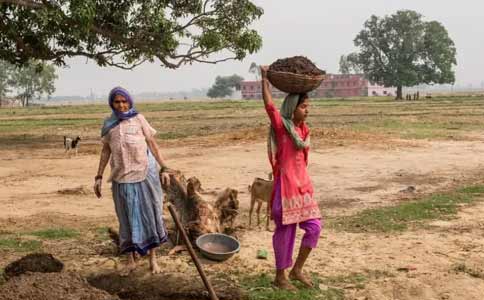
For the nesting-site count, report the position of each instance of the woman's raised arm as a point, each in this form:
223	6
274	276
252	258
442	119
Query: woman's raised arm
266	89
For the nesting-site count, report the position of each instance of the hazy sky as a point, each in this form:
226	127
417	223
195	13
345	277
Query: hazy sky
320	30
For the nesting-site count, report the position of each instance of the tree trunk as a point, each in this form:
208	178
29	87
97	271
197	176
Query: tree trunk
399	93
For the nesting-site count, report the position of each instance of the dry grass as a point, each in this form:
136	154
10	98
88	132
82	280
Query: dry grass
215	122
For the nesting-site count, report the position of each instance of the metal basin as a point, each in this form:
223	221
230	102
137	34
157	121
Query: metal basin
217	246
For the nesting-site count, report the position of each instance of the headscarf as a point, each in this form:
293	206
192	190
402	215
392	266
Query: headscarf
118	116
287	110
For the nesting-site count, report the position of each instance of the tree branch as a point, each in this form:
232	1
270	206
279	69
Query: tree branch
215	61
24	3
192	21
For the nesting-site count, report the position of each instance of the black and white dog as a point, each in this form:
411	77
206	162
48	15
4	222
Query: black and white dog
71	144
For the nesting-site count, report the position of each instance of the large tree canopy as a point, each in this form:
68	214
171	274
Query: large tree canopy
403	50
126	33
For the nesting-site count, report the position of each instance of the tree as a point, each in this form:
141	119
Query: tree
5	73
126	33
33	80
255	69
234	81
224	86
403	50
348	64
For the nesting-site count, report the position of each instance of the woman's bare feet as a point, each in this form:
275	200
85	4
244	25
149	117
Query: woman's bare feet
296	272
155	269
282	282
299	276
130	265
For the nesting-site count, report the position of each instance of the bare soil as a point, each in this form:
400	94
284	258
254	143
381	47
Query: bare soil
416	264
166	286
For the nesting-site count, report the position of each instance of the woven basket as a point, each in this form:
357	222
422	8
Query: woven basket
294	83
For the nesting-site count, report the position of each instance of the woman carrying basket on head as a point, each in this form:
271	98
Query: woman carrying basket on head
135	159
292	199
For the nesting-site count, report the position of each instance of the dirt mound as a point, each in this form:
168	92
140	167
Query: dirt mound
81	190
36	262
297	64
51	286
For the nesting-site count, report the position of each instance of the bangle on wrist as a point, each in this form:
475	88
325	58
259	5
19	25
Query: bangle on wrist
98	177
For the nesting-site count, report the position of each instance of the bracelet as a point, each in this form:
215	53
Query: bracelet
163	169
98	177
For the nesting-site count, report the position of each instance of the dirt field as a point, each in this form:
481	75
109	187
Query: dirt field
352	169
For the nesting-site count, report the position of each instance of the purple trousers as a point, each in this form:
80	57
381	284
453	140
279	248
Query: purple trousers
284	236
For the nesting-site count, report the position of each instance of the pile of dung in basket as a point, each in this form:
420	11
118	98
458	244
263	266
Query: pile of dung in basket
295	75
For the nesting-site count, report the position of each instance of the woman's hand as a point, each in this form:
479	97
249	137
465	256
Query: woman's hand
97	187
263	71
105	154
165	178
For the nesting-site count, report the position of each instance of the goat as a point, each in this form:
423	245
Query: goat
228	206
70	144
260	191
198	215
203	217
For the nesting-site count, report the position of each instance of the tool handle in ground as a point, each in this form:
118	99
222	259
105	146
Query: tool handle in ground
209	287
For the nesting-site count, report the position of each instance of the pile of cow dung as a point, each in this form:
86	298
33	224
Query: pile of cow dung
297	65
38	276
51	286
36	262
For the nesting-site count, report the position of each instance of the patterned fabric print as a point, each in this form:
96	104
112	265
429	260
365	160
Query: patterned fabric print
139	208
291	165
284	236
129	161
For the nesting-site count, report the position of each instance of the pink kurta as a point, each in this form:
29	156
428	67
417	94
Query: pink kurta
298	204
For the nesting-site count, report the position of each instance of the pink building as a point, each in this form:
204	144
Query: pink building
10	102
335	85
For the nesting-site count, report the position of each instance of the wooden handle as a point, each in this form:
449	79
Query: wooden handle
209	287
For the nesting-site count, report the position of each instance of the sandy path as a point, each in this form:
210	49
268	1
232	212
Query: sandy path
345	179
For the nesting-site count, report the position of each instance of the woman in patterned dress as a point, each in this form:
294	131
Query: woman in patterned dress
129	140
